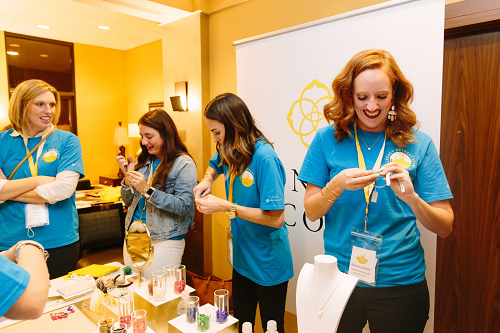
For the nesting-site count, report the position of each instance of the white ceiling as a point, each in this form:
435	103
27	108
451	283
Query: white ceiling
133	22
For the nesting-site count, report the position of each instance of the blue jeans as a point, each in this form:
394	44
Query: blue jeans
387	309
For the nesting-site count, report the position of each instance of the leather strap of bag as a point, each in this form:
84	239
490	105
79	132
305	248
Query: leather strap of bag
31	152
208	282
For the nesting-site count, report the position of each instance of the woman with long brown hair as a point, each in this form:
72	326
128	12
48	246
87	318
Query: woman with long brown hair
255	180
158	188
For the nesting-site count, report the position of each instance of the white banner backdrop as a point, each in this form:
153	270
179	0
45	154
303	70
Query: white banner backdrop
285	78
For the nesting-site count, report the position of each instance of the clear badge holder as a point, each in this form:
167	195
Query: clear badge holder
36	215
365	252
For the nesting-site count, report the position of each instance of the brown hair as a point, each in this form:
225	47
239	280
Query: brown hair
239	126
341	112
172	147
23	97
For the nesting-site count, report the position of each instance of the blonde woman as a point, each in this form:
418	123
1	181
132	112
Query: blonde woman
38	202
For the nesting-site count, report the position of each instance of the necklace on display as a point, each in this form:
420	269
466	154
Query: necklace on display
320	309
370	148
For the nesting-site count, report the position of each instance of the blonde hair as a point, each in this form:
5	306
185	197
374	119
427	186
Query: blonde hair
23	97
341	112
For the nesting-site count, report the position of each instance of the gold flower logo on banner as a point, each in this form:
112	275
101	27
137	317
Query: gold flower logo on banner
306	113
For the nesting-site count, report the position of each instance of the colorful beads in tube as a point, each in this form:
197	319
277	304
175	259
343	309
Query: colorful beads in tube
192	306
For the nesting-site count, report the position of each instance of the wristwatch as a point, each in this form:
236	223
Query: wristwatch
231	212
33	243
149	192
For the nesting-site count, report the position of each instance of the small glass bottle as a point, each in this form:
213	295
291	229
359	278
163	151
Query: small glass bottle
192	306
272	327
247	327
139	321
169	270
181	307
203	319
180	278
221	303
159	286
105	325
125	307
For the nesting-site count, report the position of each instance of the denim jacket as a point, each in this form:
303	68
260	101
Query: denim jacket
169	211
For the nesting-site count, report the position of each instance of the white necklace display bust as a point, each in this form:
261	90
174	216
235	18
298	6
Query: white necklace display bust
322	293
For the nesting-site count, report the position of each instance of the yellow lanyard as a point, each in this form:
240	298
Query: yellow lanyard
33	165
231	183
361	161
230	196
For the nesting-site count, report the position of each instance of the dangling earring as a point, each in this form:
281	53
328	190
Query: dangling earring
392	114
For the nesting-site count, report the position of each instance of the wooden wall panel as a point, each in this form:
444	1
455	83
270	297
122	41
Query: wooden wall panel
468	261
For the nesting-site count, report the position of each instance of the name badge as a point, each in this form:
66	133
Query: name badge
36	215
363	264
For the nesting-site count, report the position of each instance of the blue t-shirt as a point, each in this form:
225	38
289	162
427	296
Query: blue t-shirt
139	212
260	253
14	280
61	151
401	260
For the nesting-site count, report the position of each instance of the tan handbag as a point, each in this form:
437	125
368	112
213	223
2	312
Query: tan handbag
206	286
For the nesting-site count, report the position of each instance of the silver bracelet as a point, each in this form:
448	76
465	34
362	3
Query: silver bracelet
33	243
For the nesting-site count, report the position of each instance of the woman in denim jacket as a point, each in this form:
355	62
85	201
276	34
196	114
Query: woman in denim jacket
158	188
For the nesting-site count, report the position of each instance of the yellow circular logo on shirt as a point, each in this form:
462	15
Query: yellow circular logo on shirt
402	159
50	156
247	178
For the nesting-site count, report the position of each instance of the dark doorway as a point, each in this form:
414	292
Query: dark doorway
45	59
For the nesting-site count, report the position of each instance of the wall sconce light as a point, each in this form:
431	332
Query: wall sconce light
121	139
179	101
133	132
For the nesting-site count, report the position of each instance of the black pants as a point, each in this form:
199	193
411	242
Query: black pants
387	309
271	300
62	260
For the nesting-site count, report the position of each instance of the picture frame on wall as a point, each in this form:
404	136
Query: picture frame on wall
155	105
